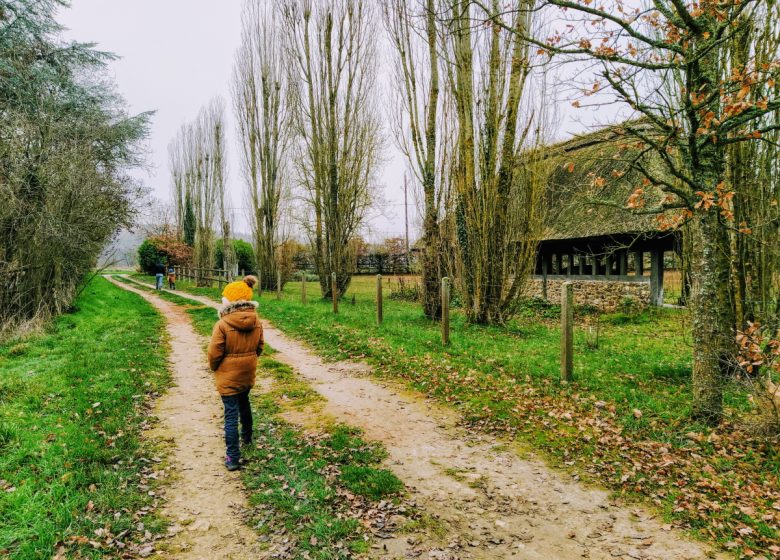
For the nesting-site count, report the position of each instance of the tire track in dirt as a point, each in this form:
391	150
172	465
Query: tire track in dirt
493	504
203	501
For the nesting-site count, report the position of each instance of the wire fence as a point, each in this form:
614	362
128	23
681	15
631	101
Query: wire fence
372	263
204	277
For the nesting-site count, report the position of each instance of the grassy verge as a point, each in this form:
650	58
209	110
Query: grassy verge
316	493
624	422
323	489
72	405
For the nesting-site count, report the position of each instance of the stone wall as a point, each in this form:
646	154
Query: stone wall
606	295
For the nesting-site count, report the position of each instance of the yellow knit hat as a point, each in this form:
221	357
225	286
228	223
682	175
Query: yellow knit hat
240	290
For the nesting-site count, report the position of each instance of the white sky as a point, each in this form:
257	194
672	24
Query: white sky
175	55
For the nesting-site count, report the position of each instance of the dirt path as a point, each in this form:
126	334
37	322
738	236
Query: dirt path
492	503
204	502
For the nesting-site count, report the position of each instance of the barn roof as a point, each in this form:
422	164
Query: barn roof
589	187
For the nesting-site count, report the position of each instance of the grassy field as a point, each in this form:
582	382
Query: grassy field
72	404
624	421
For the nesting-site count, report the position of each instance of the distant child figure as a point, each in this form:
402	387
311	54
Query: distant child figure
236	342
159	272
171	278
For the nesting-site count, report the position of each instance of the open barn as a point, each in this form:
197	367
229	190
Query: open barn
611	252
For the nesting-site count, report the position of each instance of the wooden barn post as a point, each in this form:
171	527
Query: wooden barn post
445	311
379	310
657	277
334	292
567	330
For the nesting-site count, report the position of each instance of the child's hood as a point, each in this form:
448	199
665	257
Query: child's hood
240	315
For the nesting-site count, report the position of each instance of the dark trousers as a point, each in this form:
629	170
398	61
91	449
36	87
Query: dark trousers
237	406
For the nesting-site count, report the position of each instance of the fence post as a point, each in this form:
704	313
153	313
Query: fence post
379	310
445	311
278	284
333	292
567	330
303	286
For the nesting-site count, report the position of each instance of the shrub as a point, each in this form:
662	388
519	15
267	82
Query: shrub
758	369
586	310
148	256
539	307
406	291
629	306
245	255
621	318
289	256
166	248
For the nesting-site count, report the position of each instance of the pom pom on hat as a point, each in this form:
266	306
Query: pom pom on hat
240	290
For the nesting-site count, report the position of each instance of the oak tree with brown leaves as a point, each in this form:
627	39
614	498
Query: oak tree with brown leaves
687	102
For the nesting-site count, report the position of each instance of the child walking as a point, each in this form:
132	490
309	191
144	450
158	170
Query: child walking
171	278
236	342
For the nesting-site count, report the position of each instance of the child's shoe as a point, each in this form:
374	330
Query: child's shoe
246	442
231	464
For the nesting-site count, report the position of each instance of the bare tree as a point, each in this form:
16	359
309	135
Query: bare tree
413	31
331	56
498	177
182	195
753	169
216	111
198	168
260	104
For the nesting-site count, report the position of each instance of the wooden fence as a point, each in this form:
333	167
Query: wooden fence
567	305
204	276
372	263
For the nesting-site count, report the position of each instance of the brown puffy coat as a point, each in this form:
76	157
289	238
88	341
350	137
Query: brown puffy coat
236	342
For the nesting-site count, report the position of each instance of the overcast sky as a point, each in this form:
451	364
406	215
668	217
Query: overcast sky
175	55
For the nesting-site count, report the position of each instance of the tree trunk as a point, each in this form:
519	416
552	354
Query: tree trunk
712	315
431	269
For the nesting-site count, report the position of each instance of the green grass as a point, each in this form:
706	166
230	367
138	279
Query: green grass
643	361
506	379
370	482
290	475
71	409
